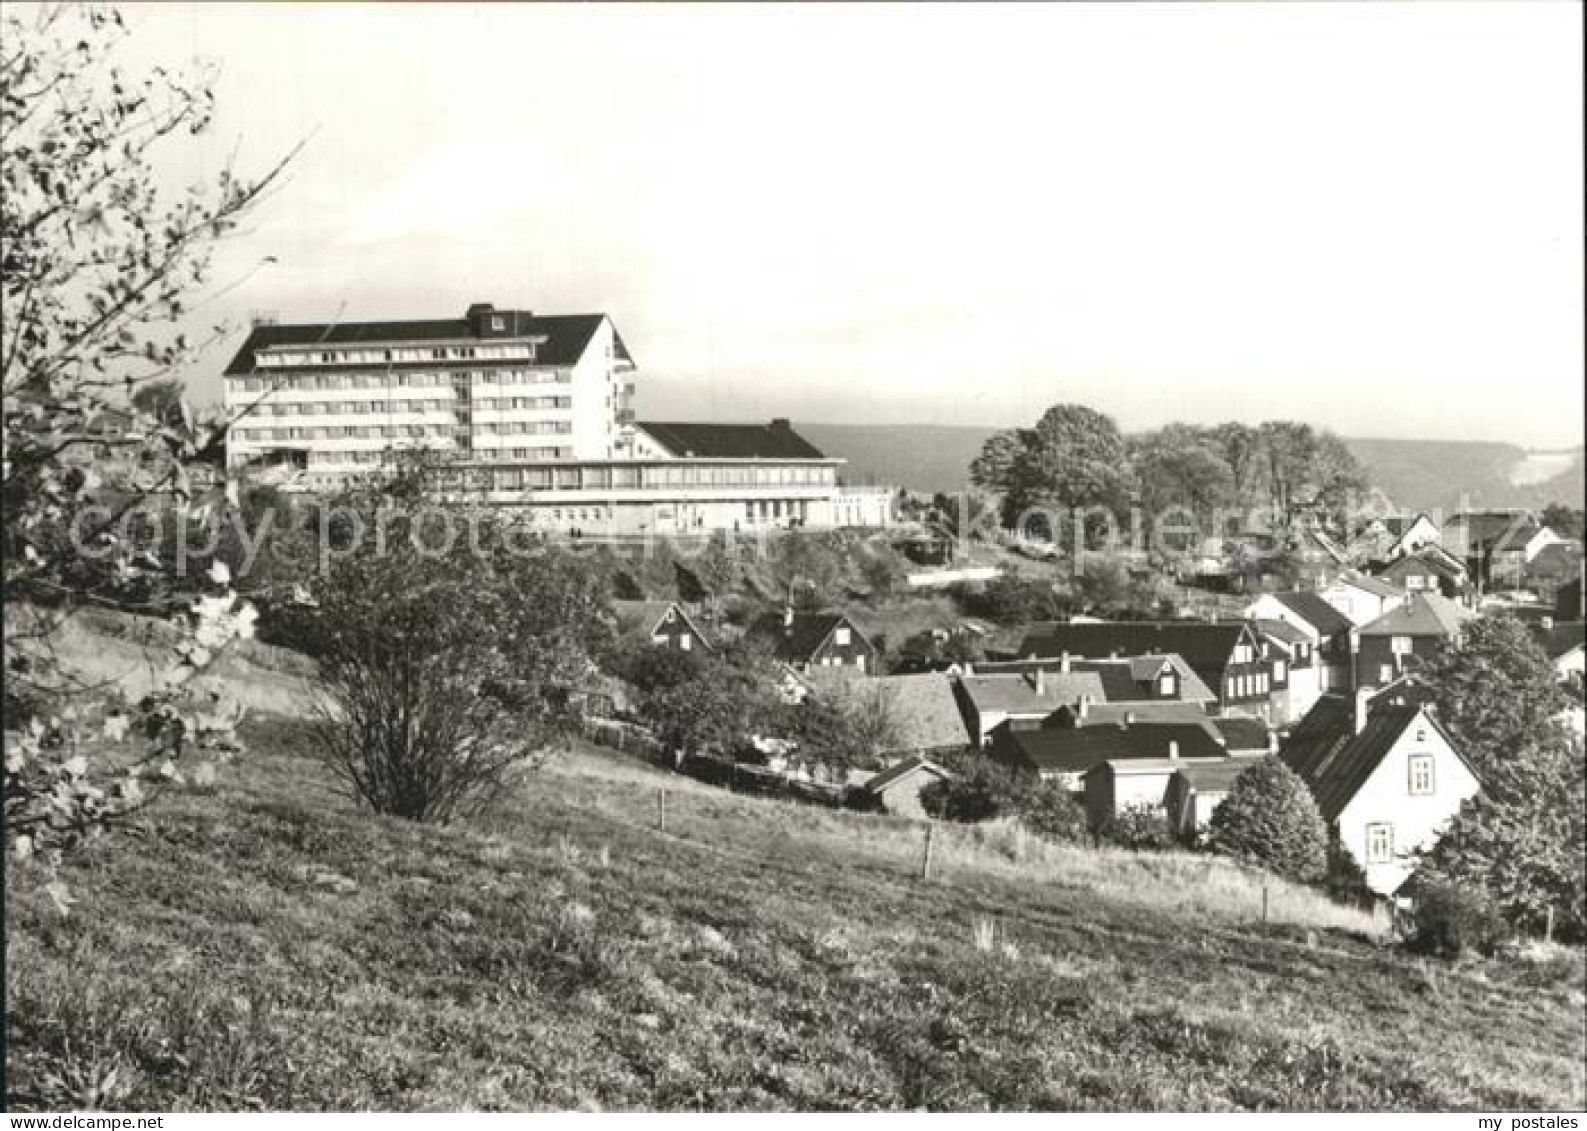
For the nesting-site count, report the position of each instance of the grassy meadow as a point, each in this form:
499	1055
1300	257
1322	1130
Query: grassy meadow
264	945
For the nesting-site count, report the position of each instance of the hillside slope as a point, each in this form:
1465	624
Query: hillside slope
264	945
1419	474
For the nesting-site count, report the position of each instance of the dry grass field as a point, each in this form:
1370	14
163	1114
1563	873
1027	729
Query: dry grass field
265	945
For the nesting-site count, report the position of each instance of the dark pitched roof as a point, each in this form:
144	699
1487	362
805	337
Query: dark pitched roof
1241	733
902	769
1312	609
647	615
1430	559
1215	777
1076	750
566	336
731	441
1282	631
1125	680
798	641
1334	760
1560	637
1201	643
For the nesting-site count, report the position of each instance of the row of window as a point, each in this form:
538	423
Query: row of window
1248	686
403	380
383	408
268	359
326	458
352	431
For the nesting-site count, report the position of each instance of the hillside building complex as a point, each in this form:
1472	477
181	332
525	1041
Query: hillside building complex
538	410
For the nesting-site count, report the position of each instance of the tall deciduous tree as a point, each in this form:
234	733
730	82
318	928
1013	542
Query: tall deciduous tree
1074	457
99	259
1495	690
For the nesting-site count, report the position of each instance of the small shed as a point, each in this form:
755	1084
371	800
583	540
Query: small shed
897	789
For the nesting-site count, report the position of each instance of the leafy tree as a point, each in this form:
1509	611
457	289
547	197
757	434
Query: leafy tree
883	571
733	697
657	667
993	468
1181	466
161	400
1140	827
983	790
1010	599
445	670
1563	520
1051	811
851	726
1308	472
1519	844
1240	446
1495	690
97	264
1270	819
1074	457
1449	920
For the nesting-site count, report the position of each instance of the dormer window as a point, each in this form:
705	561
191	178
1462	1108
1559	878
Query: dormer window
498	323
1166	685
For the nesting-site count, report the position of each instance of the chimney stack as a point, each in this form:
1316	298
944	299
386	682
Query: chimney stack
1083	708
1363	698
1173	750
1063	663
1041	684
1548	623
1129	718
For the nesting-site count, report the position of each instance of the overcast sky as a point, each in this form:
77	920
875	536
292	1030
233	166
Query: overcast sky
1367	216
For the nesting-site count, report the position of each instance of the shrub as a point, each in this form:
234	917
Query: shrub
1269	819
1050	811
1345	882
1139	826
1451	920
445	672
983	791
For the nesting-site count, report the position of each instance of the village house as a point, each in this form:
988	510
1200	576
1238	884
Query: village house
1066	755
1551	565
807	641
1414	629
1196	789
1561	641
1360	598
1386	777
1128	682
1390	538
1021	699
1497	545
1327	628
665	624
1227	656
1297	669
1431	569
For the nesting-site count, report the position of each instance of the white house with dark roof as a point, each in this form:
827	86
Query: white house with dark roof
535	413
666	624
1386	777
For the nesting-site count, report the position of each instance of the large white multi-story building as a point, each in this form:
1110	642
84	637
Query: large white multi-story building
538	409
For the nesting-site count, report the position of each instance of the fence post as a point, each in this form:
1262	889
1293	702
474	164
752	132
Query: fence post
1548	927
925	857
1264	903
661	810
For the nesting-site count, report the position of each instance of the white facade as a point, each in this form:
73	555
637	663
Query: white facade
1358	604
1404	805
537	412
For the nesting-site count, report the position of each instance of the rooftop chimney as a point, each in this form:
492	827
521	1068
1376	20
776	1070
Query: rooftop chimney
1063	663
1173	750
1548	623
1083	708
1363	698
781	424
1041	684
1129	718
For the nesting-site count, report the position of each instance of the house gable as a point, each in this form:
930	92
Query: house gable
1390	798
